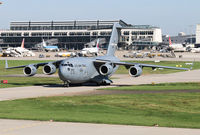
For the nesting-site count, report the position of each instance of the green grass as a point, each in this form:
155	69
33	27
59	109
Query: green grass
28	81
167	110
162	86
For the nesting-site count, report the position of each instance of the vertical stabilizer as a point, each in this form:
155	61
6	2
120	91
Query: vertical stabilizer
97	46
170	41
113	40
22	45
44	43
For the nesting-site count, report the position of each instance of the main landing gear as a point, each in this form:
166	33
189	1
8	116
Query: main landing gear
66	84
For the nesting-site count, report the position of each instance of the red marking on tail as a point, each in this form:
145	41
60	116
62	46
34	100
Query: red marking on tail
98	43
170	42
22	45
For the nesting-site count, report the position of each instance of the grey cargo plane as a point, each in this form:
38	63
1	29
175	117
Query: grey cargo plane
79	70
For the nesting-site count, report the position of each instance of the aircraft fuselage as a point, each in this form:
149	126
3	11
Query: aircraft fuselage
81	69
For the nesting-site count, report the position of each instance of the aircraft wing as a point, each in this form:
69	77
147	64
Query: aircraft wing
147	65
128	65
36	65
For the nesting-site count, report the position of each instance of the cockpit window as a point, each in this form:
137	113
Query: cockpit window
67	65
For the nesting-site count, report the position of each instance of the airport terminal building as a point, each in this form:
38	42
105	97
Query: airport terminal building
180	39
74	34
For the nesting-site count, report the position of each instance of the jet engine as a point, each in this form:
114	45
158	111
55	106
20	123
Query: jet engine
106	69
30	70
49	69
135	71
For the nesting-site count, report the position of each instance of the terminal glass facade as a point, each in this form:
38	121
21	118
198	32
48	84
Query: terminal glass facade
74	34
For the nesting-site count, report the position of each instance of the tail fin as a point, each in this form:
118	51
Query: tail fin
44	43
170	41
22	45
113	40
97	46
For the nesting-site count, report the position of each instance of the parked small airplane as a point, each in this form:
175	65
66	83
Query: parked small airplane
18	51
99	69
91	50
49	47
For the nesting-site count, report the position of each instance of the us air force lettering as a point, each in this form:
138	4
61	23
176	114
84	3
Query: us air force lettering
79	70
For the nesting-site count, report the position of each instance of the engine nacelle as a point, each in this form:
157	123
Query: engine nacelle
49	69
135	71
106	69
30	70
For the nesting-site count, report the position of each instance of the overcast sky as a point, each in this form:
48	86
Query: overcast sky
172	16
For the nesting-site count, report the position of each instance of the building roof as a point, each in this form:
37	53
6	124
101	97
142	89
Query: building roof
51	25
71	25
140	27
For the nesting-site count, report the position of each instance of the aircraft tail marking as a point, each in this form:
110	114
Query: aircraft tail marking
44	43
22	45
97	46
170	41
113	40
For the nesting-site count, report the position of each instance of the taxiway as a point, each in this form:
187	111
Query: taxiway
24	127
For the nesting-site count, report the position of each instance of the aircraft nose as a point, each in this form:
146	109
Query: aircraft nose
63	74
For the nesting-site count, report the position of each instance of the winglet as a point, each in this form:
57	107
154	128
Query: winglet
192	65
6	64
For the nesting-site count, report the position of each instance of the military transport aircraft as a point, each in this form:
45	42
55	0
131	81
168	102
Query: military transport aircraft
79	70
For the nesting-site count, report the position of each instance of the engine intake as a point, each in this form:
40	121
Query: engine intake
49	69
135	71
30	70
106	69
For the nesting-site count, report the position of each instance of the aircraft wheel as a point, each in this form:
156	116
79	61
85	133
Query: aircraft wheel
98	84
66	84
106	84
